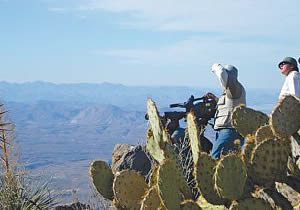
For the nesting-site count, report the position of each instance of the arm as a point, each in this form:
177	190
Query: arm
228	81
221	73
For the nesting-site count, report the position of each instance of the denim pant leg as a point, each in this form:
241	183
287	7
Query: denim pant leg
225	141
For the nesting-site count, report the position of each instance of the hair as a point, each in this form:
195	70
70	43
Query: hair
295	68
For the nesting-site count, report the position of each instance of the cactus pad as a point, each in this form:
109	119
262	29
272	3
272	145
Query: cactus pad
246	120
153	176
269	160
172	186
151	199
154	148
285	118
264	133
247	150
189	205
251	203
208	206
230	177
102	178
246	155
194	136
129	188
204	173
158	138
288	192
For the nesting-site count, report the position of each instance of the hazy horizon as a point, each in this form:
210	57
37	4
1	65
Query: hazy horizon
132	85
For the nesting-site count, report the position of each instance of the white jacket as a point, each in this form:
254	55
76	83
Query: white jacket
291	85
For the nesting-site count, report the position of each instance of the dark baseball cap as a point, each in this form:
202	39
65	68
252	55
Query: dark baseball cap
289	60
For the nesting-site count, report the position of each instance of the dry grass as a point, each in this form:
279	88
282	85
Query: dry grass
17	189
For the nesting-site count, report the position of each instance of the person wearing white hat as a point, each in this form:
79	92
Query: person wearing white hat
233	95
289	68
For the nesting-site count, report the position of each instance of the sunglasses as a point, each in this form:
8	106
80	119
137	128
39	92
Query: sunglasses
283	63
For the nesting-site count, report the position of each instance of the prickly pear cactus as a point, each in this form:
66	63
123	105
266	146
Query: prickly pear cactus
172	186
153	177
154	148
292	195
204	173
129	187
102	178
231	181
269	160
230	177
194	136
294	167
247	150
189	205
246	120
251	203
285	120
264	133
157	136
151	200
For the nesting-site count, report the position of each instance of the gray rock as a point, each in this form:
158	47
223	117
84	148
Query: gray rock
73	206
130	157
120	150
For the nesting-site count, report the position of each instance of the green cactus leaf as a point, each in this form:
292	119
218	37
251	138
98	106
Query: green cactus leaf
154	176
102	178
194	136
204	173
285	118
189	205
264	133
159	137
129	188
208	206
251	203
247	150
153	147
172	186
269	160
289	193
246	154
246	120
230	177
151	199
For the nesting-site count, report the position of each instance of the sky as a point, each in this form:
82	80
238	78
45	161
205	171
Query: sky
147	42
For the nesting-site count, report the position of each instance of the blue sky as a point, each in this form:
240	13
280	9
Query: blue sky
143	42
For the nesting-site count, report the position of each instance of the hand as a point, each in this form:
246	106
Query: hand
210	96
216	67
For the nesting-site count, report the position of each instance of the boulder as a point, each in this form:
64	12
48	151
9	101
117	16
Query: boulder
131	157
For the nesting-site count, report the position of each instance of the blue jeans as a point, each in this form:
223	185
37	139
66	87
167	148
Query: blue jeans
224	143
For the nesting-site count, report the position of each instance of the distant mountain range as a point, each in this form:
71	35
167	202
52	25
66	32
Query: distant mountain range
128	97
62	127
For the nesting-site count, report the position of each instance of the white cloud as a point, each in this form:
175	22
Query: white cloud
256	60
200	50
264	17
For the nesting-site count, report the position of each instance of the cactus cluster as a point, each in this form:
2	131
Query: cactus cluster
263	175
